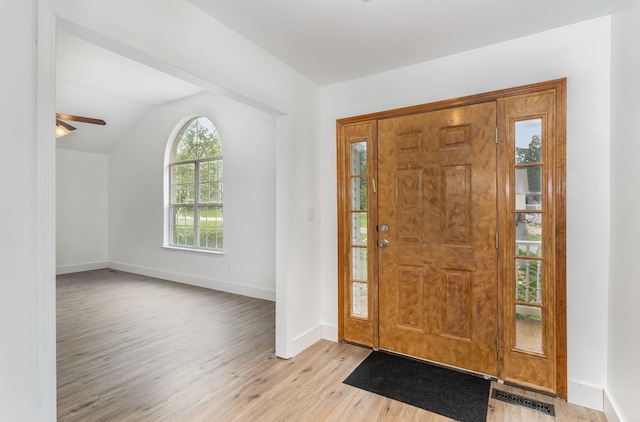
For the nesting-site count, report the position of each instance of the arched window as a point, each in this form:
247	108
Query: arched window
195	187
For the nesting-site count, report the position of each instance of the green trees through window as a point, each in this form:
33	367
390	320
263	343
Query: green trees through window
196	187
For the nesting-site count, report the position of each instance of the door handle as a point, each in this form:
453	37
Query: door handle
384	243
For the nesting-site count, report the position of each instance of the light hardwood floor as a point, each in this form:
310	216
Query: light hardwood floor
134	348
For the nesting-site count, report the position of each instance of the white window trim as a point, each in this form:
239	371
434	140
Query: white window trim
193	250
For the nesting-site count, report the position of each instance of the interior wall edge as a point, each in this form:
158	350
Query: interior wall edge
45	388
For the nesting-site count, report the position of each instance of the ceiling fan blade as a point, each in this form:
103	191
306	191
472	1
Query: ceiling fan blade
81	119
66	125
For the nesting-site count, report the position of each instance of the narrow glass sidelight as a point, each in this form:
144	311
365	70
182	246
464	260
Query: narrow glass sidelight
528	217
359	224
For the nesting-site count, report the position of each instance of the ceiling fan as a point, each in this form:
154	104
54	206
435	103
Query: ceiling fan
63	128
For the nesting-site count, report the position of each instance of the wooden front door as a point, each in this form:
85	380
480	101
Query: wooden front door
451	233
437	248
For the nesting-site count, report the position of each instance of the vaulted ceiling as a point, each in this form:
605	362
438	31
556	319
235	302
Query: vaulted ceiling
326	40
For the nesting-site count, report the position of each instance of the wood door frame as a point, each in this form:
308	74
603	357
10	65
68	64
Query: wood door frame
559	87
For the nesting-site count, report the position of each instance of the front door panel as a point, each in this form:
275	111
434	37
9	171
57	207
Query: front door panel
437	275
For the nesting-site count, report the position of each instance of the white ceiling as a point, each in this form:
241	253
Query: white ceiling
326	40
335	40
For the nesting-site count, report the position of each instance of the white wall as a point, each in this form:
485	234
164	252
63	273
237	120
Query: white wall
579	52
136	173
623	370
81	211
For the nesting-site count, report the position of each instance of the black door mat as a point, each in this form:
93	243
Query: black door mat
447	392
540	406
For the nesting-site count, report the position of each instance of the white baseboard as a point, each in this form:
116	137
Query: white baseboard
610	409
223	286
77	268
305	340
330	332
586	395
321	332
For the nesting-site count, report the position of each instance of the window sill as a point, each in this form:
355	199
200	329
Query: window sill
195	251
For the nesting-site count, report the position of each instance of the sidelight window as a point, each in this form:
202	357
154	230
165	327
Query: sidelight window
359	234
528	212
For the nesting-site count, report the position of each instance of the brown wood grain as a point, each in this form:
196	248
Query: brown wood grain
455	102
438	197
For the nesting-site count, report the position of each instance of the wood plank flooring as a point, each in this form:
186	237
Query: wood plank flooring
135	348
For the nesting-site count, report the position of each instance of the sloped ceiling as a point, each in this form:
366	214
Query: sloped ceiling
95	82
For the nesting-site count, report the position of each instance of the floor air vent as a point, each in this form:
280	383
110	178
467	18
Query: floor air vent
539	406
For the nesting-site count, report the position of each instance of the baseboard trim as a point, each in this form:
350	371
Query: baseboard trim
223	286
305	340
586	395
77	268
330	332
610	409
